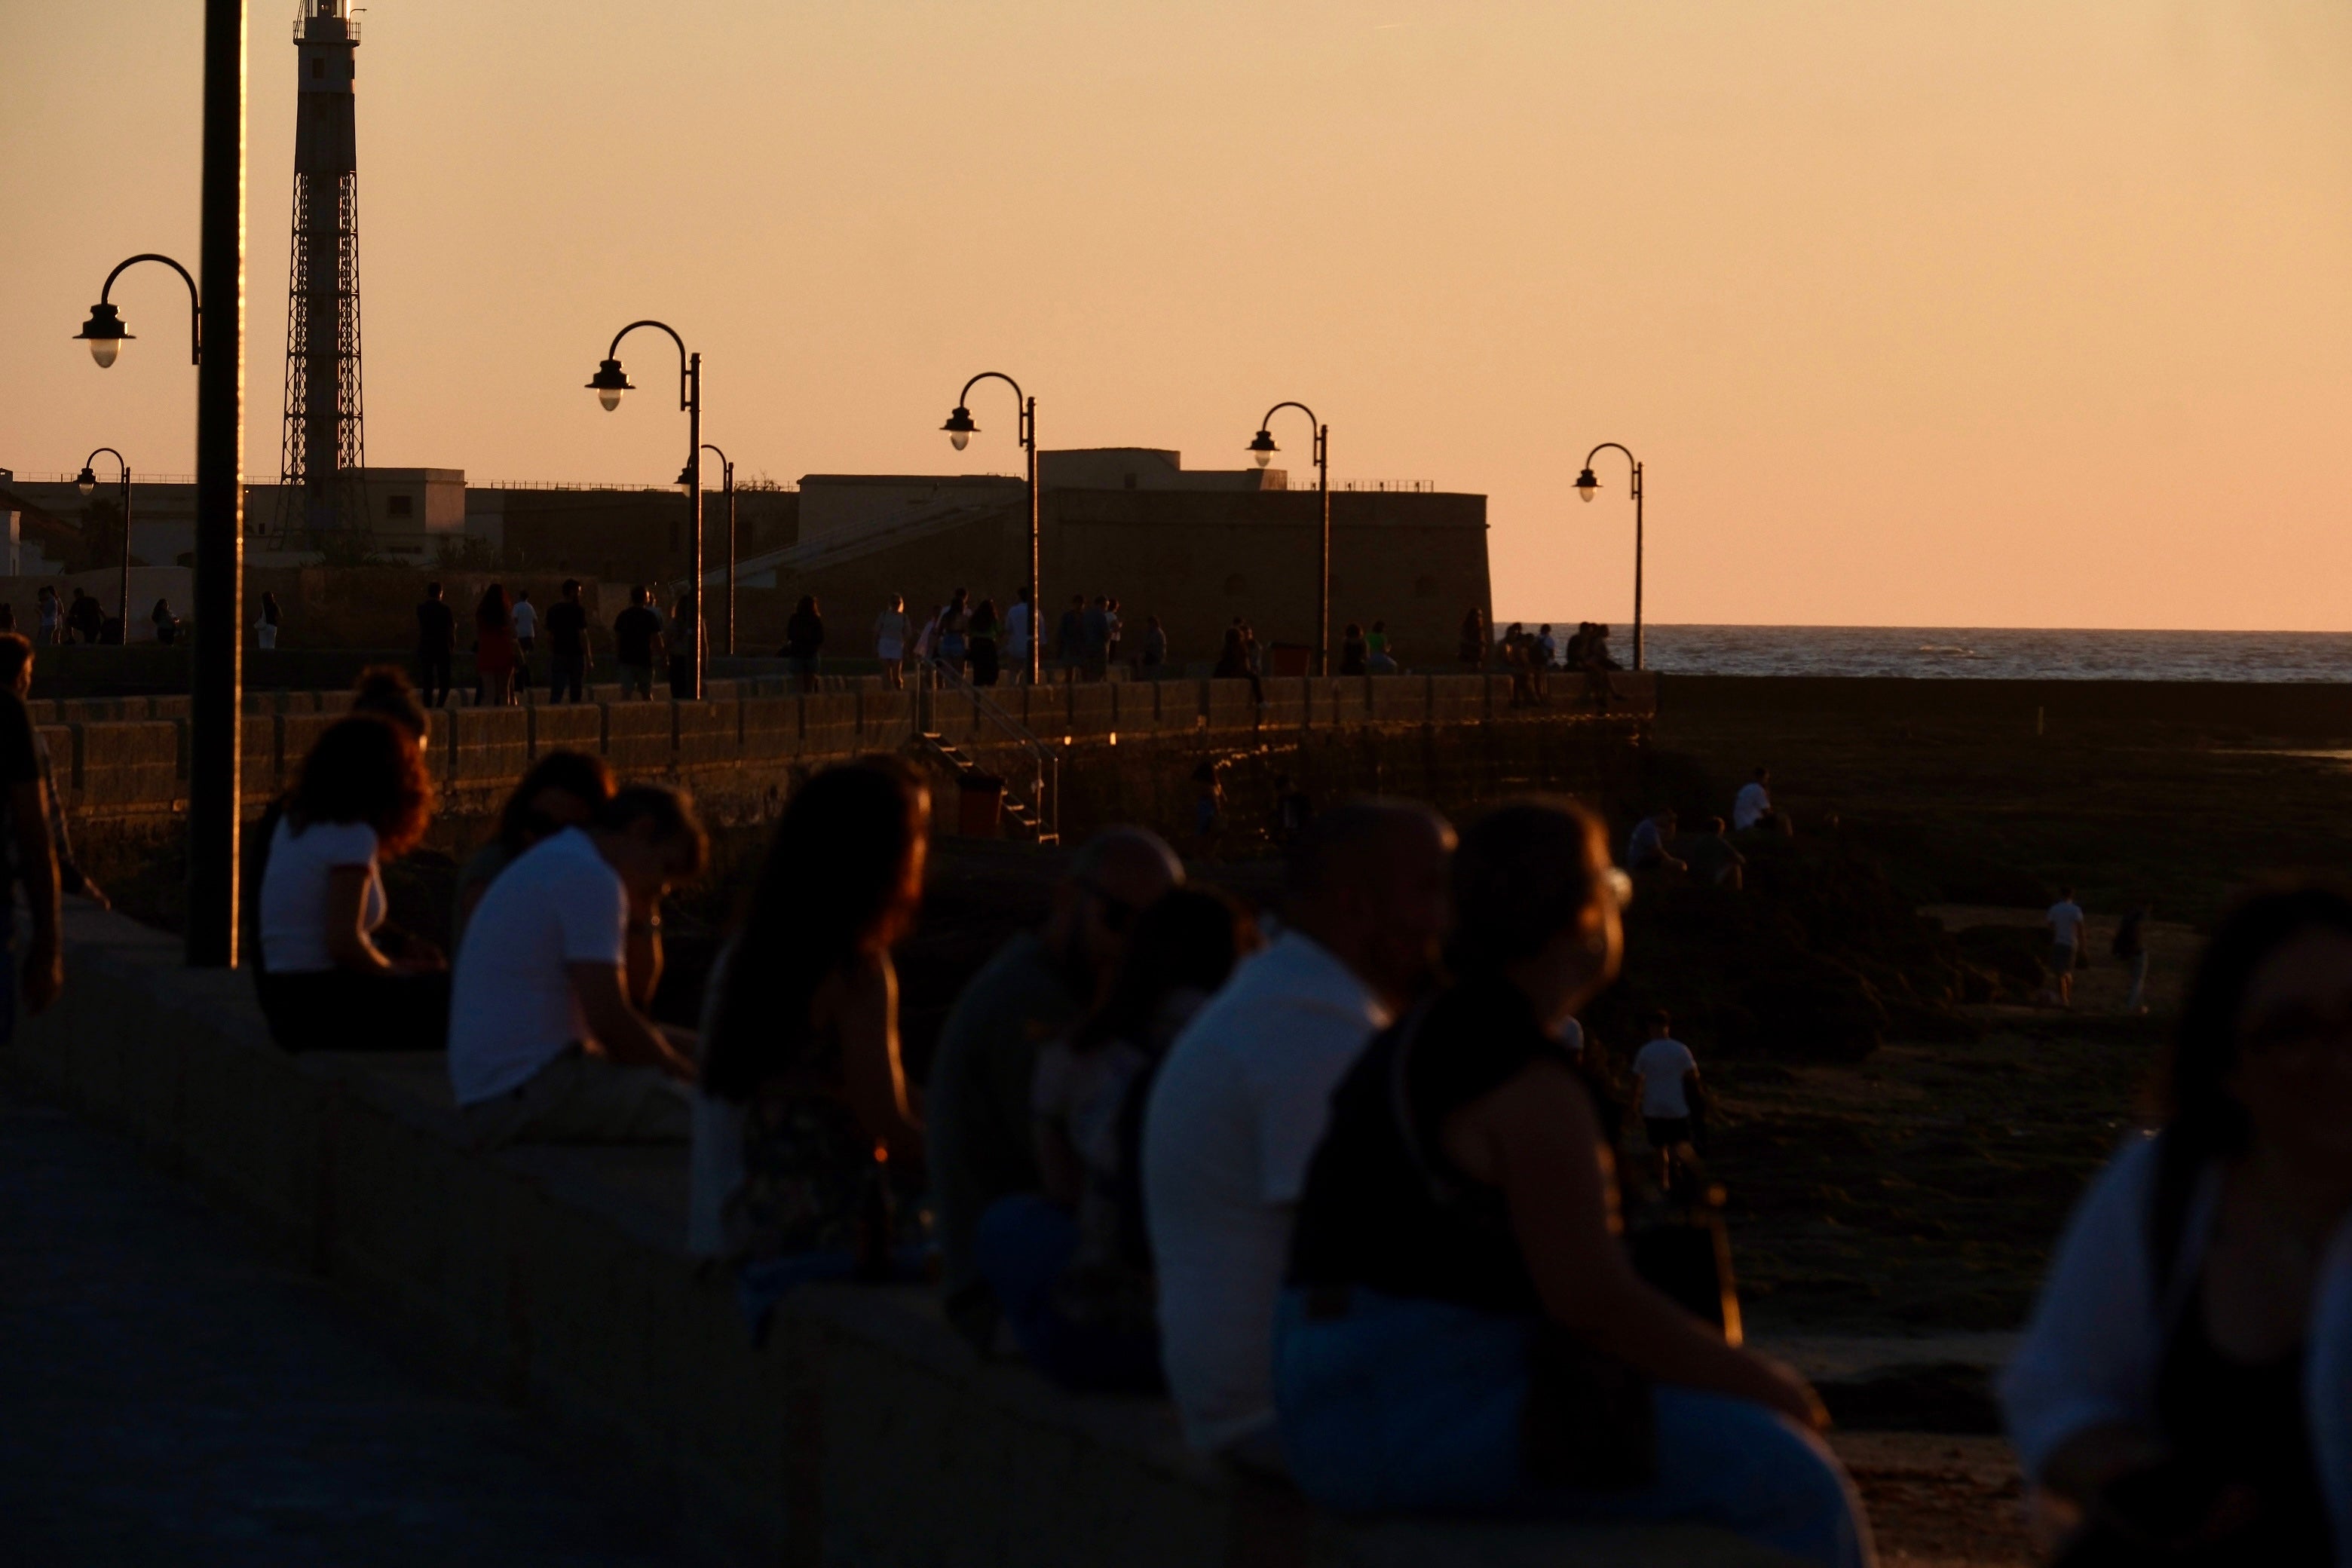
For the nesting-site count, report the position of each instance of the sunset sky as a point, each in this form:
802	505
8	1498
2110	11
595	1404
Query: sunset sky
1981	312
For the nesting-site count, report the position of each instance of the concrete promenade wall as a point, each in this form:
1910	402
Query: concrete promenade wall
1127	750
864	1433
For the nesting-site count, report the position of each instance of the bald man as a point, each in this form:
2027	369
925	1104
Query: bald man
1239	1102
1038	984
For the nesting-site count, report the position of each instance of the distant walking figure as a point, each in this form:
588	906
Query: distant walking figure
2131	946
2066	922
890	642
1475	649
496	652
265	630
436	640
805	641
567	645
635	631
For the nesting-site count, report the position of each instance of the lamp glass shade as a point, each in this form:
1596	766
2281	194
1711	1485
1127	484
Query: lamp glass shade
103	331
959	427
609	396
958	439
85	481
609	381
1262	448
1587	485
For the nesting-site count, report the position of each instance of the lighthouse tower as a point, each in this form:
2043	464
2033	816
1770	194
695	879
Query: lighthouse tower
324	446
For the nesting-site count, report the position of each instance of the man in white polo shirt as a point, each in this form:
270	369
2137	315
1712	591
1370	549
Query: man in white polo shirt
1239	1103
544	1043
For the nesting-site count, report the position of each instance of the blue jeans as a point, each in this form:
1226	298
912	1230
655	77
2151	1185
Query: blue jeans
1023	1245
1414	1405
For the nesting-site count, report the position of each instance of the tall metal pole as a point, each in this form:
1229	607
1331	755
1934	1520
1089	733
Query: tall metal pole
1036	588
731	558
1323	599
126	555
694	465
216	740
1637	566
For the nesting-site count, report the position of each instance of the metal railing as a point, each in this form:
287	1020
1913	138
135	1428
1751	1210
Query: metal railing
1045	784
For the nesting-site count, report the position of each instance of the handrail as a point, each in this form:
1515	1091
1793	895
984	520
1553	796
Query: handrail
1048	763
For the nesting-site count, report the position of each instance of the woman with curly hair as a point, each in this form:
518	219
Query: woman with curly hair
803	1099
332	977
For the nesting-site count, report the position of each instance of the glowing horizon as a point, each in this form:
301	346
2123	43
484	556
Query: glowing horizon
2007	316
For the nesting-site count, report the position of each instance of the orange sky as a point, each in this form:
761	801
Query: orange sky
1982	313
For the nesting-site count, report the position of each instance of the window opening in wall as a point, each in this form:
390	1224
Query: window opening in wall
399	505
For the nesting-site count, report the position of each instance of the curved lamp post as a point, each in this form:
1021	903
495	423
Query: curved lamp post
87	483
1262	448
217	685
105	333
1587	487
609	381
960	430
686	476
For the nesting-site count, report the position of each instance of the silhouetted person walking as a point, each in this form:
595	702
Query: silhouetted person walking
436	640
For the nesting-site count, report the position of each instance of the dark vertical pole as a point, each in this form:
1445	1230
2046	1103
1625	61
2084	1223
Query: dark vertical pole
126	555
731	558
693	468
215	743
1637	566
1323	595
1037	621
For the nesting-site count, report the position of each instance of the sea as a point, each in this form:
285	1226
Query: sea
1990	653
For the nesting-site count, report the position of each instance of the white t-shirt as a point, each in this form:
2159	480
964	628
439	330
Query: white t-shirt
1016	627
294	892
1235	1113
526	620
2065	923
511	1007
1752	801
1661	1065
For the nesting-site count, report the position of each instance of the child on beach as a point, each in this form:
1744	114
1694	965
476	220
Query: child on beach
2066	919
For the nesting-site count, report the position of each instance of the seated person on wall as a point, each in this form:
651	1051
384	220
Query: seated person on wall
1037	986
331	974
1072	1265
30	852
545	1045
1714	863
1238	1103
1646	848
804	1114
564	789
1463	1330
17	675
2183	1392
1752	810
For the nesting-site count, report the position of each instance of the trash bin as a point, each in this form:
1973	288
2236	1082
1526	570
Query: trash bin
979	805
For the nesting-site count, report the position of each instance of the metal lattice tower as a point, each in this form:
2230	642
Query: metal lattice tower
325	446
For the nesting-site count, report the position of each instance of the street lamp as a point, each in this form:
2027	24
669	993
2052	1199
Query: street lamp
1262	448
1587	487
216	675
87	483
960	430
105	333
608	383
